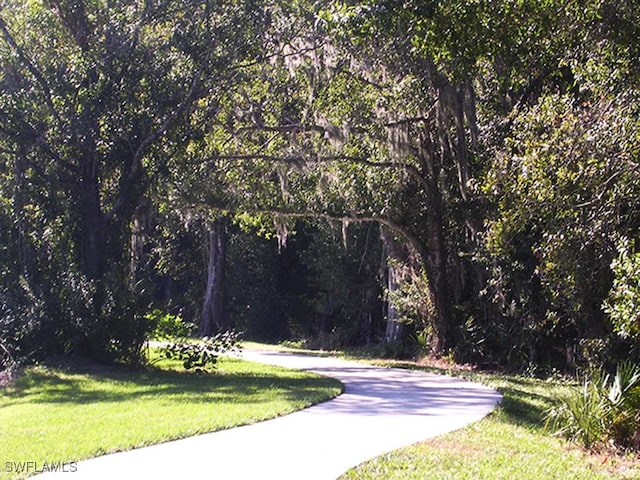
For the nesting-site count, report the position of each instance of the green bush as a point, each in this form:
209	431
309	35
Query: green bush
623	304
602	410
203	355
165	325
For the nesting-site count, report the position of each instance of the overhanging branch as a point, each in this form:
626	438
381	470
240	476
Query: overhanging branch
412	170
412	238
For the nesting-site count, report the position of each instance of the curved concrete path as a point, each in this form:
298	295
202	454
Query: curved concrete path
382	409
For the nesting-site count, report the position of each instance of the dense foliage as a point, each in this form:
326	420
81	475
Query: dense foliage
94	100
465	170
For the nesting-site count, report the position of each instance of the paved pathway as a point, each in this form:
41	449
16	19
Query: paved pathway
382	409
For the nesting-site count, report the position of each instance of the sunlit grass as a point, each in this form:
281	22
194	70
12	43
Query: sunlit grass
68	414
510	443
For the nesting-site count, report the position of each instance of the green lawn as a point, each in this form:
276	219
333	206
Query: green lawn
66	414
56	414
511	443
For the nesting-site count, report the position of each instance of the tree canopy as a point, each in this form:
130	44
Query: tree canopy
494	146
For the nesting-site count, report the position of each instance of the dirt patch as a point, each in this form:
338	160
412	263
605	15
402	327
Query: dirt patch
614	462
443	364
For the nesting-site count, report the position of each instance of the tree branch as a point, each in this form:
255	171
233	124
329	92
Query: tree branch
37	139
412	238
31	67
605	188
412	170
136	163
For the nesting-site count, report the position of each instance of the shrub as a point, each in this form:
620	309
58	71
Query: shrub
164	326
623	304
624	399
203	355
602	411
13	333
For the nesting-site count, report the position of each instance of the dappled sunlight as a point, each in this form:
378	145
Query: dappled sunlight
381	409
119	408
43	386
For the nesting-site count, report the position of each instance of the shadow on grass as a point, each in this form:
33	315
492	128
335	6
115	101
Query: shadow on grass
88	385
525	400
524	408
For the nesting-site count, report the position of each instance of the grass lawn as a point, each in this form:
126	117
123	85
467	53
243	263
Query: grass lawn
72	413
510	443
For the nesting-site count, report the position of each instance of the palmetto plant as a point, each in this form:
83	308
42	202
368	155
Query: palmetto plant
624	406
602	410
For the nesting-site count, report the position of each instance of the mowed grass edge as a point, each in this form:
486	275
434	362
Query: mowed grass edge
512	442
69	414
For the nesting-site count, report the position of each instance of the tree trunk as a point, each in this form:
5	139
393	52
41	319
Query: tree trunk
395	328
396	257
140	226
92	236
435	260
24	250
214	316
438	287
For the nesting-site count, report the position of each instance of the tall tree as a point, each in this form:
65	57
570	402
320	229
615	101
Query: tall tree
323	118
395	111
214	317
95	96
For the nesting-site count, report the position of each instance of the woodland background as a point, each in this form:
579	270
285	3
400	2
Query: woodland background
457	177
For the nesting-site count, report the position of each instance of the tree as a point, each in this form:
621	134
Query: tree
494	143
302	123
95	97
564	183
214	317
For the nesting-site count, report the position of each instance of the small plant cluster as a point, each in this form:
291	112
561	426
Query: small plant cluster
623	305
164	326
602	411
202	356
